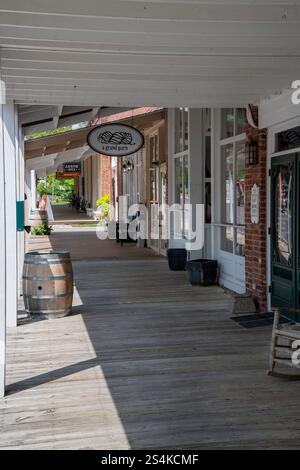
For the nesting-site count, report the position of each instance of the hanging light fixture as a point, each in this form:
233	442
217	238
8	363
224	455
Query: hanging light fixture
128	166
252	157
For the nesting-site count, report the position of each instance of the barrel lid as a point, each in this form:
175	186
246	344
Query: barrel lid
47	254
38	211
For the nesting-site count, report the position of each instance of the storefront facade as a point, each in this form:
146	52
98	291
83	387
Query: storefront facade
143	181
251	208
207	164
282	119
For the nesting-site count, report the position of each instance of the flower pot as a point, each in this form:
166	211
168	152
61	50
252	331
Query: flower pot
177	259
203	272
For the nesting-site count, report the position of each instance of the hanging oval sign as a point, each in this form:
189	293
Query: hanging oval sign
115	140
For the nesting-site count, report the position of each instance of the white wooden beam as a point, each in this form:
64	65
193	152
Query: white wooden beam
158	9
238	46
3	262
82	85
10	212
217	20
20	196
131	99
33	189
100	59
163	71
283	36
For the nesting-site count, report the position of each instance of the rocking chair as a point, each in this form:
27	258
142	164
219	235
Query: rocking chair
283	346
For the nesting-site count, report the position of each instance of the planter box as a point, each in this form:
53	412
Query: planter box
203	272
177	259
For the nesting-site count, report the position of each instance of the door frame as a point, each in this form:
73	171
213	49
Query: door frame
162	169
293	159
271	146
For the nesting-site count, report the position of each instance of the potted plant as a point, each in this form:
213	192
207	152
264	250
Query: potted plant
177	258
42	230
203	272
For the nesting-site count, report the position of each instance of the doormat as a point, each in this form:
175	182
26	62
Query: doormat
256	320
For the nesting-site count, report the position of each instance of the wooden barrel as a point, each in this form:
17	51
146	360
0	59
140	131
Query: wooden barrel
37	217
48	283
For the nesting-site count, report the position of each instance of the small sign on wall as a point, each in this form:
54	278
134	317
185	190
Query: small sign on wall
20	216
72	169
255	204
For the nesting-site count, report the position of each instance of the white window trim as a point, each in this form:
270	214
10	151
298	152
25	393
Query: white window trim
228	141
235	264
183	154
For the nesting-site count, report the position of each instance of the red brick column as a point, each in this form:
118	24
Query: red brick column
105	175
256	234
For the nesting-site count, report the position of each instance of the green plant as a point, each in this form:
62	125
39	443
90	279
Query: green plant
60	190
103	204
43	229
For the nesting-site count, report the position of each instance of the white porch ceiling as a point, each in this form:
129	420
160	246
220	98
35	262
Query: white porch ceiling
155	53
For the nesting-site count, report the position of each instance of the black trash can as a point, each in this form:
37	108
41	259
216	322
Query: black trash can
203	272
177	259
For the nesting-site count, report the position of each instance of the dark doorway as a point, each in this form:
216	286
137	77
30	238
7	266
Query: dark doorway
285	205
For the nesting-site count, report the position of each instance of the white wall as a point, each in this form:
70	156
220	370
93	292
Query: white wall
10	172
11	243
3	262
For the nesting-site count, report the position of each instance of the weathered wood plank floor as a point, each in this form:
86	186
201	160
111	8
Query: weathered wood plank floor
146	361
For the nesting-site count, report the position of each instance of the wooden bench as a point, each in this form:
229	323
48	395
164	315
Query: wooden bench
282	343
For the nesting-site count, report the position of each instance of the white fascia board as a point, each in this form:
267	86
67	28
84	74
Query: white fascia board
277	109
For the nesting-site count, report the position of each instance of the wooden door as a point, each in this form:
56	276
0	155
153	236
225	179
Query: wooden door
284	231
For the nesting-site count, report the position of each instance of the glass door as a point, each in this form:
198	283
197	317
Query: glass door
163	229
284	231
154	193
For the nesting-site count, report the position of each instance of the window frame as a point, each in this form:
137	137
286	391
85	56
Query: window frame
185	157
234	140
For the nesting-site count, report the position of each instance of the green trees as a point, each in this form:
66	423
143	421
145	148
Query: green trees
60	190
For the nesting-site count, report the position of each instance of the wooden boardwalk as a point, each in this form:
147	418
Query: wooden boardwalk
146	361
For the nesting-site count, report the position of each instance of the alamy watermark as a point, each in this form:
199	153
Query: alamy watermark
296	94
296	353
160	222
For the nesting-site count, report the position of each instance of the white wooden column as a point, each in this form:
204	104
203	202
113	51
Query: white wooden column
10	212
20	175
196	164
171	179
3	262
33	189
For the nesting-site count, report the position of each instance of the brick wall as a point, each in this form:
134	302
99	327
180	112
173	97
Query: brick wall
256	234
105	175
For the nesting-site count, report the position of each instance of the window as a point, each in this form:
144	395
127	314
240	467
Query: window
154	169
227	120
233	181
181	166
287	140
181	130
207	156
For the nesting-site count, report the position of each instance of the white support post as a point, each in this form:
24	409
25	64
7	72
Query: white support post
196	165
20	167
3	263
10	213
171	150
33	189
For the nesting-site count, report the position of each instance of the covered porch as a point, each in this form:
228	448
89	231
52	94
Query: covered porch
146	361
